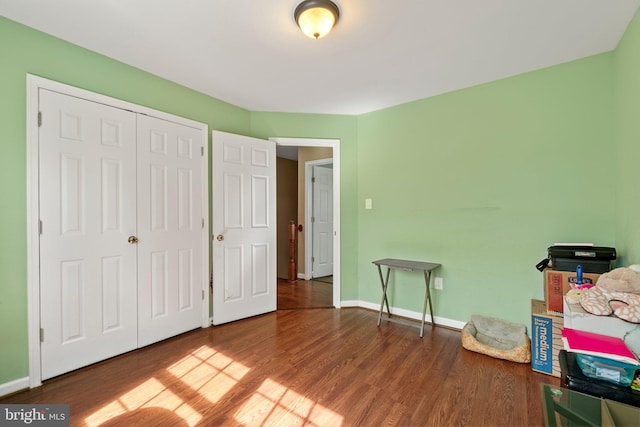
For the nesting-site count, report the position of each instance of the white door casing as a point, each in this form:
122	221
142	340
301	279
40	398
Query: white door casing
88	270
98	183
170	280
244	227
322	221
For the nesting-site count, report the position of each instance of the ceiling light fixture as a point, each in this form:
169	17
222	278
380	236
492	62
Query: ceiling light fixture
316	17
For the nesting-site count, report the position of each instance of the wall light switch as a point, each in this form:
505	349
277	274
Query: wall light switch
367	204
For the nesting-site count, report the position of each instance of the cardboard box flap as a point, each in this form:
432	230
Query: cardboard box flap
616	414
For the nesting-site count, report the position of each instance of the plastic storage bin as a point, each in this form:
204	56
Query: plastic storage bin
606	369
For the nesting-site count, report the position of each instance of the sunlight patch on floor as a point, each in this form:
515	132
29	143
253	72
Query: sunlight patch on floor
212	375
111	410
209	372
150	394
275	404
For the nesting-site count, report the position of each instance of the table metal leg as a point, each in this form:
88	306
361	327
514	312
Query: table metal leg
427	298
384	283
386	286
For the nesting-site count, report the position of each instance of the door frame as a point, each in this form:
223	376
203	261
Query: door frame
308	195
335	145
34	84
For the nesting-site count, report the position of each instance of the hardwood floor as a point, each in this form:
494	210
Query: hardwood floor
325	367
304	294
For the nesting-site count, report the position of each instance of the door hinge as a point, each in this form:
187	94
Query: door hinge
41	334
40	227
313	179
39	118
313	219
202	151
202	223
203	295
313	259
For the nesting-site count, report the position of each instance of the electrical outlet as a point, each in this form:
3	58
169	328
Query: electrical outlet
438	283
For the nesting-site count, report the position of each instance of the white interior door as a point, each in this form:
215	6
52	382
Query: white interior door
88	300
244	227
322	221
170	227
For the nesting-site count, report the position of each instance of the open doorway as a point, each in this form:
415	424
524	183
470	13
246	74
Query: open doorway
314	209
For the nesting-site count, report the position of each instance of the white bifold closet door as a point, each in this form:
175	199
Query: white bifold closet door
169	229
120	249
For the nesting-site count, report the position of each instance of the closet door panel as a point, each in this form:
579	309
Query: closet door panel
170	229
88	297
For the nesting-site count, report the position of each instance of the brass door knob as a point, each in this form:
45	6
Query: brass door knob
133	240
220	238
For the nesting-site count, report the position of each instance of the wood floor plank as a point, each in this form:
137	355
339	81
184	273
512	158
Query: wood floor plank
321	367
304	294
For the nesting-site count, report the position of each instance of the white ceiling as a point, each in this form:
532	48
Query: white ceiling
250	53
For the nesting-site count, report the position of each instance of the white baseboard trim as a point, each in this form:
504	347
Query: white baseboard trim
302	276
350	303
13	386
409	314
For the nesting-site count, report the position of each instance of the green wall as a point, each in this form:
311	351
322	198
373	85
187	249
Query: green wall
483	180
627	168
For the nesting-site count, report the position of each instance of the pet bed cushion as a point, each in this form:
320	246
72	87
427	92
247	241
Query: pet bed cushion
497	338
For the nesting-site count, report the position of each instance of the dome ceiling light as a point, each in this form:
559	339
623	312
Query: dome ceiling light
316	17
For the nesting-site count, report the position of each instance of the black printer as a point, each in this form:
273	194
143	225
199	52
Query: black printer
593	259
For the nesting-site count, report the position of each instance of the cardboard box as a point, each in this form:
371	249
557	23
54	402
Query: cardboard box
575	317
558	283
546	339
618	414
